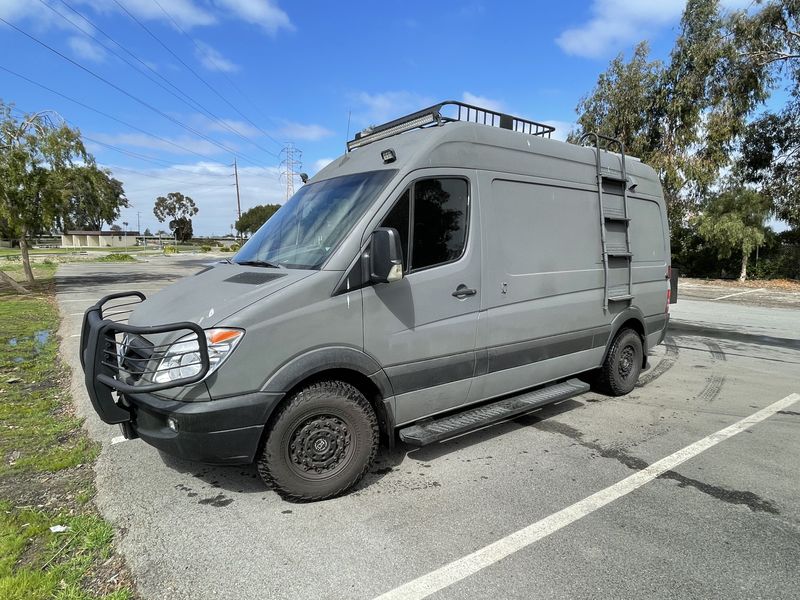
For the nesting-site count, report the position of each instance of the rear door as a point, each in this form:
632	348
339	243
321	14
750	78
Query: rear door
422	329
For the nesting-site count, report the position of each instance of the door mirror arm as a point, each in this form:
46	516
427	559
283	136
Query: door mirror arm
385	256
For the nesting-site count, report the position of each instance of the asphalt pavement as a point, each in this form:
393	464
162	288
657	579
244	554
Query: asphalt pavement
725	522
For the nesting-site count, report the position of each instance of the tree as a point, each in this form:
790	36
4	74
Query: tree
147	232
734	221
181	209
621	104
771	159
771	146
685	117
182	228
254	218
115	227
93	198
35	153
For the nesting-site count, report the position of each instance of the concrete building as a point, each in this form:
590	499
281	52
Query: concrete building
98	239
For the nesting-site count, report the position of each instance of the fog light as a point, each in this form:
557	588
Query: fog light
172	423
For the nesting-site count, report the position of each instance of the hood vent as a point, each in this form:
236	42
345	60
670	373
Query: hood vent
253	278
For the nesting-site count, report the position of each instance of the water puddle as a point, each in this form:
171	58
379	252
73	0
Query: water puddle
39	339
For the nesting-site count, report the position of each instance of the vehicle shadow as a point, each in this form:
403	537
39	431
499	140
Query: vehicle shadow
244	479
436	450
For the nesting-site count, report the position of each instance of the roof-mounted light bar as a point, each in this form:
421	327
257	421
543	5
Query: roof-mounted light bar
457	111
376	134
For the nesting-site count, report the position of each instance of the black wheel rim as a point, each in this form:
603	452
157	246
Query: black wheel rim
320	446
627	362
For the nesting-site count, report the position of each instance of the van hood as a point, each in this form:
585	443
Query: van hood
212	295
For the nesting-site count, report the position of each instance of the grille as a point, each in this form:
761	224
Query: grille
136	353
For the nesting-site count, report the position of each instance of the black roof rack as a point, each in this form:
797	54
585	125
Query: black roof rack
449	110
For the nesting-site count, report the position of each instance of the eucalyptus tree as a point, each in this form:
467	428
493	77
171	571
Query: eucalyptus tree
36	151
684	117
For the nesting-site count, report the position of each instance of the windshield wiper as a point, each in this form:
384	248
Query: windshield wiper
260	263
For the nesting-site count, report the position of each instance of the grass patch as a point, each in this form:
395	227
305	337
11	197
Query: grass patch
115	257
46	476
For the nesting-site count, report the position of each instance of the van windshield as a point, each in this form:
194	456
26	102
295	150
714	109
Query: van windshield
305	230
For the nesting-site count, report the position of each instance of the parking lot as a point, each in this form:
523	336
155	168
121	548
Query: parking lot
723	523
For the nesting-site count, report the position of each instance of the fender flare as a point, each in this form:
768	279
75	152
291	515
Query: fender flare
301	367
630	313
314	361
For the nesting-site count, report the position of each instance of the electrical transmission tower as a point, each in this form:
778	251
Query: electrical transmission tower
290	166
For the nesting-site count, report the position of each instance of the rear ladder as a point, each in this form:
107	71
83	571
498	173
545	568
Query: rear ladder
621	292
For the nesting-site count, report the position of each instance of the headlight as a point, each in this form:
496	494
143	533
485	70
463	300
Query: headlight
182	358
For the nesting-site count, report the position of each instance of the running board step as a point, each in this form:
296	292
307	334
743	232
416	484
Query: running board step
439	429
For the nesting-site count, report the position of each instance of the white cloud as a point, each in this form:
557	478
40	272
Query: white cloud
300	131
320	164
562	129
484	102
210	186
226	125
187	13
83	47
617	23
264	13
213	60
166	144
374	109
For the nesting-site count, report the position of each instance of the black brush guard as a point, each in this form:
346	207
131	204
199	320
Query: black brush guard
102	355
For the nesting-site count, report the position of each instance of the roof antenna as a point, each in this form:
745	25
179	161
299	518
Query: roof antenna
347	139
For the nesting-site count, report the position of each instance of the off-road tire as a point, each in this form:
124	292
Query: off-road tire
623	364
320	443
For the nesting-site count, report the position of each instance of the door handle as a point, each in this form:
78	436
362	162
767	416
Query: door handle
462	291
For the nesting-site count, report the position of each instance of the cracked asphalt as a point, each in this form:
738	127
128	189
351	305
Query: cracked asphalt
726	523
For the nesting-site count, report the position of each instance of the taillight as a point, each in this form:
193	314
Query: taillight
669	288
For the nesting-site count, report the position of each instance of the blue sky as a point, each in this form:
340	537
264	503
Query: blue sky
244	77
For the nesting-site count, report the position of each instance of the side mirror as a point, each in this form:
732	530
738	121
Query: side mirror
385	256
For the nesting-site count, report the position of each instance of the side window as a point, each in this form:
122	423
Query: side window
440	221
438	210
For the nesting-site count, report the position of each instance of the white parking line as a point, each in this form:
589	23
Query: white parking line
462	568
739	294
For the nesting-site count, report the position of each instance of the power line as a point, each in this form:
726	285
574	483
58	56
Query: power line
187	66
151	176
137	155
105	114
224	74
20	113
180	95
125	92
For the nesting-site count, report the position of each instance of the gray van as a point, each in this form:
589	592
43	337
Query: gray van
455	268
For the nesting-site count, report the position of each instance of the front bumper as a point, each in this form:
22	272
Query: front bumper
224	431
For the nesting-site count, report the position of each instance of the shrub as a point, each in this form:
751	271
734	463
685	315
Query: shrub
234	247
115	257
170	249
205	248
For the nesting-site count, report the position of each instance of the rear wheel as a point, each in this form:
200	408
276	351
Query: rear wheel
623	364
321	442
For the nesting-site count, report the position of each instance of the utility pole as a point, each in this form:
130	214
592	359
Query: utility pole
238	201
290	166
139	225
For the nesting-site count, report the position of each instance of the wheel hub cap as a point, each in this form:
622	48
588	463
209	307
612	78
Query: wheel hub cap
626	361
320	444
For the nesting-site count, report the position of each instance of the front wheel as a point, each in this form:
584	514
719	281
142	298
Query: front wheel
321	442
623	363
